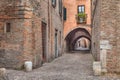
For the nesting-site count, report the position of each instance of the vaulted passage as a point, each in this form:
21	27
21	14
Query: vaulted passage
82	44
78	39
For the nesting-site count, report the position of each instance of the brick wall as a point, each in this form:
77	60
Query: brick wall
24	41
106	32
95	29
56	24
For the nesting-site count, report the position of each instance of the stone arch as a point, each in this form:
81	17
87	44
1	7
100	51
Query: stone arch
74	35
73	43
87	28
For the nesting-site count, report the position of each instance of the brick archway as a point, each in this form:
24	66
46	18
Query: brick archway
74	35
74	42
68	30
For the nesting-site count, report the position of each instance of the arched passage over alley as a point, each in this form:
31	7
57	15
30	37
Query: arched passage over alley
78	39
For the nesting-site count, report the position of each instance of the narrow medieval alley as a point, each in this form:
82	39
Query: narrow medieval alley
71	66
59	40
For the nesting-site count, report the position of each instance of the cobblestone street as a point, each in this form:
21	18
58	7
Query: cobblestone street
74	66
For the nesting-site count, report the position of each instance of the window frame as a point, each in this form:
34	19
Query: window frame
81	8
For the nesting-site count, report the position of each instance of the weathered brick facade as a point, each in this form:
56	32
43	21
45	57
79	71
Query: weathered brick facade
105	33
24	42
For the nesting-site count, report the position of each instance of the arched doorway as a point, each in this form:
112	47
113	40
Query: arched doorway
76	36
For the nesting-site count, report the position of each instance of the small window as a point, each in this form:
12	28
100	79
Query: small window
8	27
81	9
60	7
54	3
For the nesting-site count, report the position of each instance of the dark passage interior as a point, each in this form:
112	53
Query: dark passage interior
78	39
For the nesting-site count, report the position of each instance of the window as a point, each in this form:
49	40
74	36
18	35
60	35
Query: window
81	9
60	7
8	27
54	3
81	16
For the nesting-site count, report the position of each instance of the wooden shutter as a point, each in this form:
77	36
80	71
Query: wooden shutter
65	13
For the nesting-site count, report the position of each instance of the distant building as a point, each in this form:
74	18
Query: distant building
30	30
77	23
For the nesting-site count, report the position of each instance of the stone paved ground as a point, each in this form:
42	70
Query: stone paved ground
75	66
